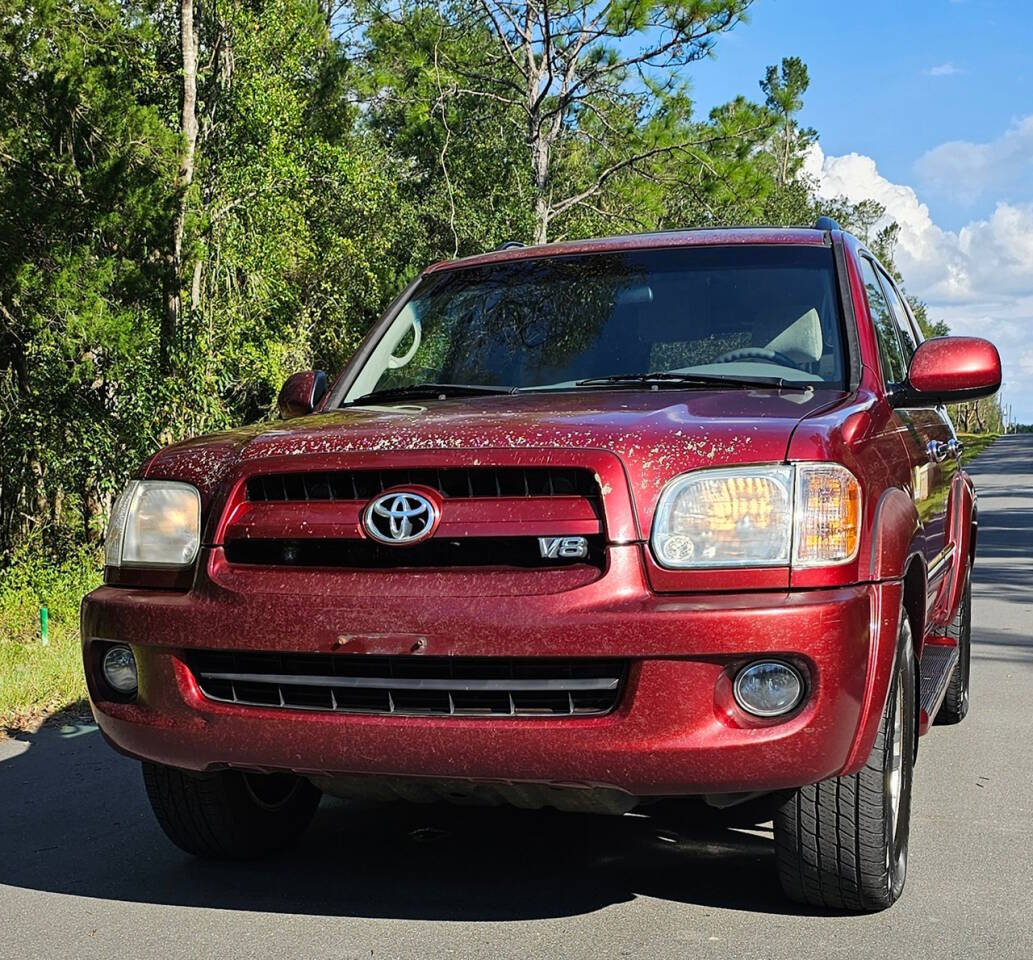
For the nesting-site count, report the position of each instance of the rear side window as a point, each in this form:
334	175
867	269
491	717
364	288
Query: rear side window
894	369
907	335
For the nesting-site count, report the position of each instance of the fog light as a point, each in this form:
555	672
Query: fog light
768	688
119	666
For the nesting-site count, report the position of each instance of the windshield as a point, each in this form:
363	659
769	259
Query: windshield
736	312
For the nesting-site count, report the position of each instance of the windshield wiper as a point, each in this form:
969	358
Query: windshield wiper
663	379
427	391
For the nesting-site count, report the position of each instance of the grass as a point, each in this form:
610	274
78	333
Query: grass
38	681
975	444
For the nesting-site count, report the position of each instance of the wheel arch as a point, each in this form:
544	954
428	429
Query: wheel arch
914	599
895	528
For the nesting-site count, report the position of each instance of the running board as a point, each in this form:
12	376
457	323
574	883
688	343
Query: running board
937	665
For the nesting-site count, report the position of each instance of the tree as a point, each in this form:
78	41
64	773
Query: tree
784	89
85	164
283	226
465	182
592	88
184	178
929	328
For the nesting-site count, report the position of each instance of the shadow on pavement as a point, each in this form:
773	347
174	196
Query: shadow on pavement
76	821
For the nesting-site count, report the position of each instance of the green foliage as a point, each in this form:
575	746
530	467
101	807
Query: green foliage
784	89
84	158
36	679
295	237
31	580
328	170
974	444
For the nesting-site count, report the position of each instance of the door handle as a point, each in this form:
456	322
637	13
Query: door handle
937	450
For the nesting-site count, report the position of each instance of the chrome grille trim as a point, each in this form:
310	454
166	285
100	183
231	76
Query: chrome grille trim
402	683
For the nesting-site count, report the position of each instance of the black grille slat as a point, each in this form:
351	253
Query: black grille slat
451	483
354	553
411	686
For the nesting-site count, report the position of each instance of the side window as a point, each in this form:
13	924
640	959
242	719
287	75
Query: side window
894	369
907	335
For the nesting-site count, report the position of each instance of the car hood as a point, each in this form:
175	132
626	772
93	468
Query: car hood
656	434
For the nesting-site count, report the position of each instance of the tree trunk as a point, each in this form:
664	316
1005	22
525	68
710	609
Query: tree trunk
540	173
184	177
92	512
57	510
784	176
40	500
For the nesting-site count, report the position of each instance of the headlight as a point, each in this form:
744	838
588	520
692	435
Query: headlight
758	517
154	523
726	518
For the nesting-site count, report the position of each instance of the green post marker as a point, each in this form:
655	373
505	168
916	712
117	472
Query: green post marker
44	633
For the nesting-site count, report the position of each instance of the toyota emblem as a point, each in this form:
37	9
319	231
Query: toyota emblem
400	517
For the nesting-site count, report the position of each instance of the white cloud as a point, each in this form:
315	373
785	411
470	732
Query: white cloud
944	70
978	279
969	170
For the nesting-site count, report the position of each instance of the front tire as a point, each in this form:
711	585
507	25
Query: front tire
230	815
955	702
842	843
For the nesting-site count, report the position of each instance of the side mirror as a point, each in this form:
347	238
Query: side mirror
302	393
952	370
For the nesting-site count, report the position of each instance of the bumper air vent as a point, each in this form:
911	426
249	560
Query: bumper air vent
411	686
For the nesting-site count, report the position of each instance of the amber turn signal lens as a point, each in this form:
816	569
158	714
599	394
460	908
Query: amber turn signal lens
828	515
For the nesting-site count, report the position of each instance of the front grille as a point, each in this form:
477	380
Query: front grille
411	686
451	483
522	552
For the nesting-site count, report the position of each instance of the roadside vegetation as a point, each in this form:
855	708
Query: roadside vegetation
975	444
38	679
198	199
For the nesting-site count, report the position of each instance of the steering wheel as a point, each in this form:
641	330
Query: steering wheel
757	353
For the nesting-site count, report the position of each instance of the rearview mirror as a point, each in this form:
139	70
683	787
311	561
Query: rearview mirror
952	370
301	393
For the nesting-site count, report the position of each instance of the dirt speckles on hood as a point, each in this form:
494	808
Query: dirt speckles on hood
656	434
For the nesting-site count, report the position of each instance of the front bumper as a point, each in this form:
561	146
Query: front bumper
676	731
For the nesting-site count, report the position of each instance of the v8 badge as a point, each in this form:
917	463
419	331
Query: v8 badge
566	548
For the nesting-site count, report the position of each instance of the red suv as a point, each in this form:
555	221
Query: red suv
583	525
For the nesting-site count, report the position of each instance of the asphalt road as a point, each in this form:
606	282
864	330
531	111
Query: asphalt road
85	872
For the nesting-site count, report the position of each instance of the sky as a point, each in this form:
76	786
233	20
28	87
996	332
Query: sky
927	107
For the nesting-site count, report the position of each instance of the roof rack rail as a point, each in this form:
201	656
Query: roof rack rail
511	245
826	223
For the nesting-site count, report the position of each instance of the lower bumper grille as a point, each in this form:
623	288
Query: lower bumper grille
411	686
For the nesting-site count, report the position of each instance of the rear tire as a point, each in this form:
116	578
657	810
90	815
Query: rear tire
842	843
955	703
230	815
